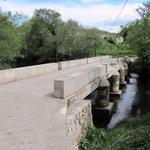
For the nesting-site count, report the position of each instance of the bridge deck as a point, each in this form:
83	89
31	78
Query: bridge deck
30	118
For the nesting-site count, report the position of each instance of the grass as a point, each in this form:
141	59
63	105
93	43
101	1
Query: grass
131	134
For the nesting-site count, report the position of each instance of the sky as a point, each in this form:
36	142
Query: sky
89	13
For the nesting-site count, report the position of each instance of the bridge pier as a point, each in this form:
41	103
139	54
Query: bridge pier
102	108
102	98
122	72
125	65
115	84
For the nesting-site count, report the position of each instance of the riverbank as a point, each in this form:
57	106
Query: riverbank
129	134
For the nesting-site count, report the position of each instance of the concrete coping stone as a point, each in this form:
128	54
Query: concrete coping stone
64	87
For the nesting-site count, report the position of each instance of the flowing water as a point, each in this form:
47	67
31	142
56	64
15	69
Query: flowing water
132	103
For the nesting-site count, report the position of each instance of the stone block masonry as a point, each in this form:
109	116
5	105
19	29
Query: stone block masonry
79	118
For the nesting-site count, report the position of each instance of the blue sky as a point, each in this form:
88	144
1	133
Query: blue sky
89	13
77	2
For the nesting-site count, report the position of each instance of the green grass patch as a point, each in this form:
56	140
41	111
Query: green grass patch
131	134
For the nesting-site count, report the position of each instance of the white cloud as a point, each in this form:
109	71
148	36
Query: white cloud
94	15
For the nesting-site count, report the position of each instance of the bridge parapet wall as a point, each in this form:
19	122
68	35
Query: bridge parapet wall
78	85
74	63
65	87
100	59
10	75
71	63
94	59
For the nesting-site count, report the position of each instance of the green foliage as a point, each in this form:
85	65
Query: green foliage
138	38
50	39
110	46
127	135
139	35
40	40
46	38
10	40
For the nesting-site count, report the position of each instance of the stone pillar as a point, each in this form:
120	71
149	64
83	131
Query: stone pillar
115	82
125	65
102	99
122	74
126	72
102	110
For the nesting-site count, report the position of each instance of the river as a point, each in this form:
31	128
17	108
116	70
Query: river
133	102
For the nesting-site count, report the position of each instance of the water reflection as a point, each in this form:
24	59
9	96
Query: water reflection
124	108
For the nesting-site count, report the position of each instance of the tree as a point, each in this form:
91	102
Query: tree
144	11
66	35
9	41
46	38
138	38
41	43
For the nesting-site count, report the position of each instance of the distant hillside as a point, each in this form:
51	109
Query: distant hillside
106	33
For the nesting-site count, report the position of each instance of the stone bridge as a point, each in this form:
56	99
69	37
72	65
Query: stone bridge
45	107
